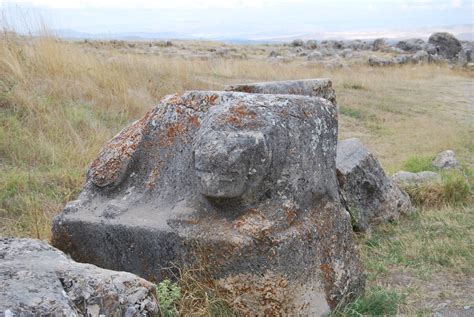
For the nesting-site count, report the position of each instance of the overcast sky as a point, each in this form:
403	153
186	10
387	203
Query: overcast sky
234	18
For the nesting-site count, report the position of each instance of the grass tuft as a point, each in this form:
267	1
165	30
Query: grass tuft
455	189
375	302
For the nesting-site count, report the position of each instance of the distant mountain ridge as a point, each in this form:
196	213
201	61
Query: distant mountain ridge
463	32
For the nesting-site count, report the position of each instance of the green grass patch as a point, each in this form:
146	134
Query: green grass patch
429	241
353	113
455	189
418	163
375	302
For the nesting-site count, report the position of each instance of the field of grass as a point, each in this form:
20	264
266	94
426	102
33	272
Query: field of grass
59	103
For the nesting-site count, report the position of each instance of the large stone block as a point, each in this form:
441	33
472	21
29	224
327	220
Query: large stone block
39	280
368	194
320	87
242	184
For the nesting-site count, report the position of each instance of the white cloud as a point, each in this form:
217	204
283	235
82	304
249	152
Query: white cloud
456	3
74	4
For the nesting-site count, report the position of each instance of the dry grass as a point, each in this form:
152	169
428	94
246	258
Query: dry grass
59	102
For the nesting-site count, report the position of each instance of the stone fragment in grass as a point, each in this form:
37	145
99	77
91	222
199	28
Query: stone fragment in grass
368	194
39	280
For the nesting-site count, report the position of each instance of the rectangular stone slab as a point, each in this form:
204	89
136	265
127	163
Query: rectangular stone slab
320	87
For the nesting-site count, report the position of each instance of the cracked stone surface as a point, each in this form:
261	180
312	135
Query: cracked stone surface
241	184
368	194
39	280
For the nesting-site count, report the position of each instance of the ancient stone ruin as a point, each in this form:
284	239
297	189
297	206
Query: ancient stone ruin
242	184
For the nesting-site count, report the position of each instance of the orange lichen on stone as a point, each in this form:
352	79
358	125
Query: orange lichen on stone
194	120
170	133
112	162
211	99
242	110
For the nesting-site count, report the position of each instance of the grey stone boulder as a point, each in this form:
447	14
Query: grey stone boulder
380	45
401	59
368	194
321	87
420	57
446	160
465	57
242	185
410	179
411	45
446	45
314	56
347	53
297	42
376	61
311	44
39	280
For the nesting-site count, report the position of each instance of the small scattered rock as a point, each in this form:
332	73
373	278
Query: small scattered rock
378	61
416	179
446	160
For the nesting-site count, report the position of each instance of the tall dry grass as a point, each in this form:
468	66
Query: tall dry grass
60	102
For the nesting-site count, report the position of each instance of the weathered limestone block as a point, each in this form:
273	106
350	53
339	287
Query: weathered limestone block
242	184
368	194
321	87
39	280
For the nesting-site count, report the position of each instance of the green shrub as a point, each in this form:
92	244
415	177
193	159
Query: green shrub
167	294
376	302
